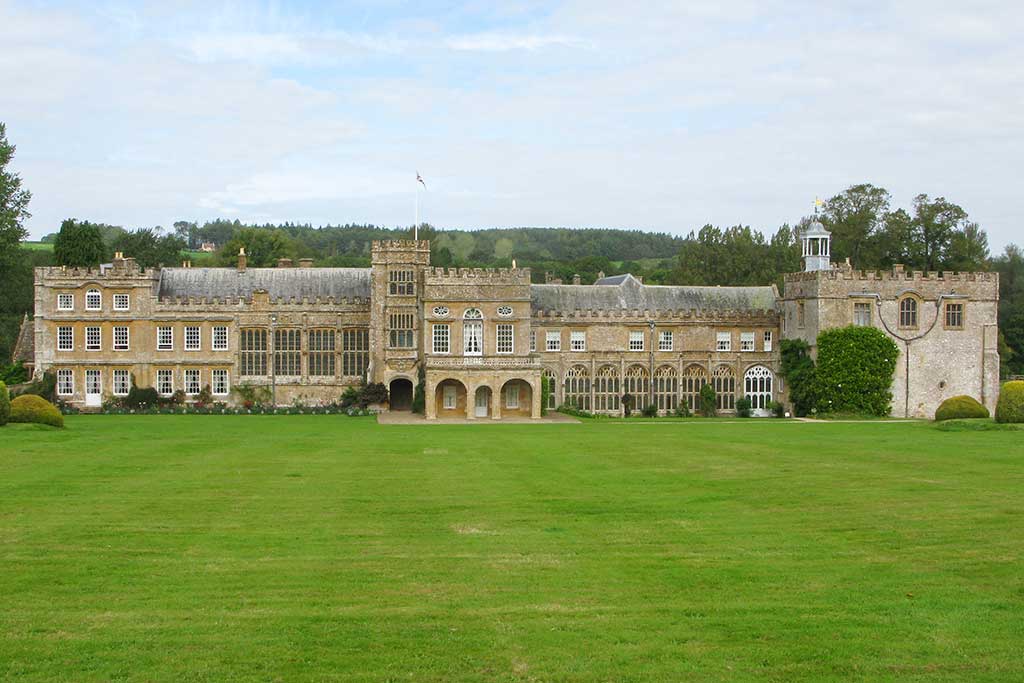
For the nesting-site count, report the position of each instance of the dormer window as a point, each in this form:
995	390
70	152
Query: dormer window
908	312
93	300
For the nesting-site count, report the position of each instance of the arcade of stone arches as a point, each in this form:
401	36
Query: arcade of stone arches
602	390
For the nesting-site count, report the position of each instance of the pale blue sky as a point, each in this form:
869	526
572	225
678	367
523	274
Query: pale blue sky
652	115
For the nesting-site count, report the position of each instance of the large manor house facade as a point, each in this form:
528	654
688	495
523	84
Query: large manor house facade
484	338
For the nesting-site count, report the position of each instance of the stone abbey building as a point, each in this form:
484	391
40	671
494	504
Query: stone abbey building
485	337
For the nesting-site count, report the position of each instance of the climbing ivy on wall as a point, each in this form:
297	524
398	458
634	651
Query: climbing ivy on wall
801	375
855	371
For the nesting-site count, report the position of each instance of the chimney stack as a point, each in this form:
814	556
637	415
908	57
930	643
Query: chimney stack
600	275
241	259
305	263
575	278
284	263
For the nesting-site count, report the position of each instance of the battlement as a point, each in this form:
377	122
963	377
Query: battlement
660	315
261	299
400	245
121	268
497	276
897	274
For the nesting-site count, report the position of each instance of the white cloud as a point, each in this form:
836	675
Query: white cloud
591	113
501	42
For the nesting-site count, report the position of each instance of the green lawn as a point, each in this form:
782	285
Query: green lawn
319	548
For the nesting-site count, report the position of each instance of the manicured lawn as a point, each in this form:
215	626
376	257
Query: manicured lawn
316	548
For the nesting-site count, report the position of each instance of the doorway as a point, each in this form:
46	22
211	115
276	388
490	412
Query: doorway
400	394
93	389
483	402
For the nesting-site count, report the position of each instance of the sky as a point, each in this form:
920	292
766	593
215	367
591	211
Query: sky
651	115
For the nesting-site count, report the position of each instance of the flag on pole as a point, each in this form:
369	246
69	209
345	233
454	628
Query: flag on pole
419	179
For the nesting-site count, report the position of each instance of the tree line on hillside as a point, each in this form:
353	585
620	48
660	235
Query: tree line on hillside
932	234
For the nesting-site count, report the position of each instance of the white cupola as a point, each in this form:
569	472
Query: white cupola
816	253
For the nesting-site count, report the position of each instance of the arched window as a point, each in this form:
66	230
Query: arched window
577	387
694	377
552	379
473	333
757	386
93	300
908	312
724	381
606	389
636	385
666	388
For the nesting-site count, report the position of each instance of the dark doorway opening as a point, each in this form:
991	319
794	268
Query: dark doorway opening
400	393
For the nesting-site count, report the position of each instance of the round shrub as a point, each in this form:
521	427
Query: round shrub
1010	407
32	408
5	404
960	407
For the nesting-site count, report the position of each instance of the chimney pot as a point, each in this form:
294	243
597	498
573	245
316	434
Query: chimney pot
284	263
305	263
575	279
241	260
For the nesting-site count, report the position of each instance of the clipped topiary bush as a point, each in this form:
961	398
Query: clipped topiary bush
5	404
36	409
1010	407
960	407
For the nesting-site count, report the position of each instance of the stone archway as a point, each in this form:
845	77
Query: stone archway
516	398
450	397
400	394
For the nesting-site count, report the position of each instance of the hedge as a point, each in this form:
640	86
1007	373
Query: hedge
960	407
1010	407
855	371
5	404
32	408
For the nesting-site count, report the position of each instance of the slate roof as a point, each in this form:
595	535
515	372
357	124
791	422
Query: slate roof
340	283
629	294
615	279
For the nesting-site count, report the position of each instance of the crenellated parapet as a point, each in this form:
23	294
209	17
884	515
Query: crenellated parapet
486	276
683	316
898	274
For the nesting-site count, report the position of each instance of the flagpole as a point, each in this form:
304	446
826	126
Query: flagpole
416	226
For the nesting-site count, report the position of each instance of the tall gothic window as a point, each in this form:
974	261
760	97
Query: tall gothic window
355	351
666	388
908	312
724	380
288	352
577	387
694	377
252	345
606	389
321	353
400	333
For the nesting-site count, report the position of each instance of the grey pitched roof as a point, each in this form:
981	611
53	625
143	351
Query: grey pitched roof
615	279
629	294
340	283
